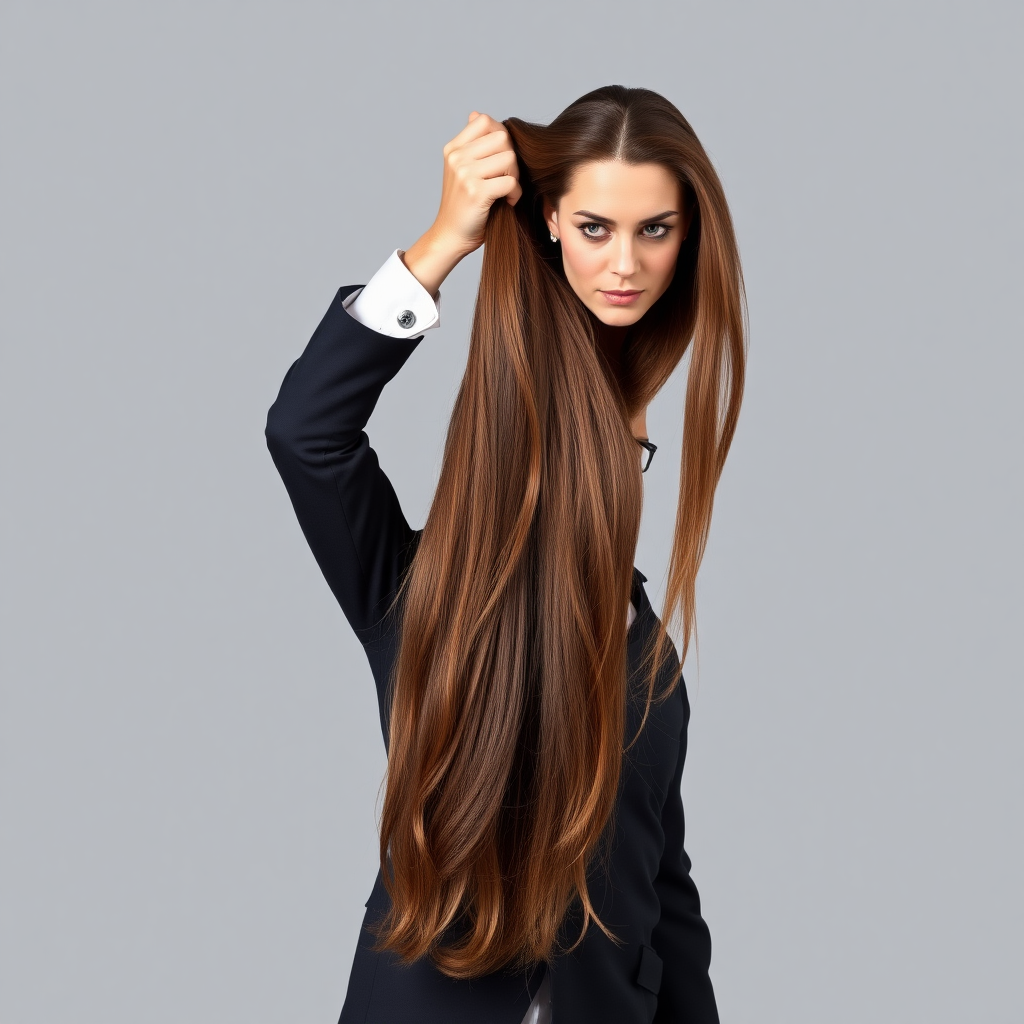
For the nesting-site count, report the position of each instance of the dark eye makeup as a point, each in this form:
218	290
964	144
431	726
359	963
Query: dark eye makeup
662	229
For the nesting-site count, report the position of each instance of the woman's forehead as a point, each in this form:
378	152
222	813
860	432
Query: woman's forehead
618	191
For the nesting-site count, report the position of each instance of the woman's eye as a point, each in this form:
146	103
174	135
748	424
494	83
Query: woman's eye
655	230
585	228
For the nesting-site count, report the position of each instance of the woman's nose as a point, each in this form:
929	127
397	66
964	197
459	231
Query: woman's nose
623	258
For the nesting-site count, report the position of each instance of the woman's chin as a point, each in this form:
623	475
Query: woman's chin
621	316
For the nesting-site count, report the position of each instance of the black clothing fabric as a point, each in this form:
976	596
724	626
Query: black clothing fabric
352	519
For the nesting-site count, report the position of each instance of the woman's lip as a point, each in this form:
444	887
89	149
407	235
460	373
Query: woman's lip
621	298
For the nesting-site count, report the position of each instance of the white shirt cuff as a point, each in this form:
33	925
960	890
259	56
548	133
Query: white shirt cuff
394	303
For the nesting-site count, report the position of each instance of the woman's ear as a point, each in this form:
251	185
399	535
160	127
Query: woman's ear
551	218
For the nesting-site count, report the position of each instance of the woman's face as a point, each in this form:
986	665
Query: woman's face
620	227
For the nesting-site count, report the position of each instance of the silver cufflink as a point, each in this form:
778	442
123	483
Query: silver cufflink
406	319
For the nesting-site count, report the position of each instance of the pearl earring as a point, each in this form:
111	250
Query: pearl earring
552	234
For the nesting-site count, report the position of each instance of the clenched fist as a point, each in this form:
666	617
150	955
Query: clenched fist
479	167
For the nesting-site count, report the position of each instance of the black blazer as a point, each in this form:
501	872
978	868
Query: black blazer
355	526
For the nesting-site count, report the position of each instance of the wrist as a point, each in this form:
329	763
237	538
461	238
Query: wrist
432	257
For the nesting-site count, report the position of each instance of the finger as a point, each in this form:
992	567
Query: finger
478	126
497	141
502	186
497	165
514	196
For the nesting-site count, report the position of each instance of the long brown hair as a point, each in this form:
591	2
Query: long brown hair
509	690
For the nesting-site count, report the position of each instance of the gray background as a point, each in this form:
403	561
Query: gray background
190	749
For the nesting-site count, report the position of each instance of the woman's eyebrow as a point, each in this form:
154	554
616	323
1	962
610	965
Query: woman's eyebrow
610	223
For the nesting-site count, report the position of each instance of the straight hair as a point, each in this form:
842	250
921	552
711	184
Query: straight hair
508	698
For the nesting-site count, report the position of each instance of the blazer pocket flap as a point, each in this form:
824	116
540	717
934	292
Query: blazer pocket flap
648	974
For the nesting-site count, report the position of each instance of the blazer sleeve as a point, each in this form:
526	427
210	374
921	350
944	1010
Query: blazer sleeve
345	504
681	938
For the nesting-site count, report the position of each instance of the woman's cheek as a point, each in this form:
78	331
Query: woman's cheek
585	264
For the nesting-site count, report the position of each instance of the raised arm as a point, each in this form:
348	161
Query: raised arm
681	938
345	504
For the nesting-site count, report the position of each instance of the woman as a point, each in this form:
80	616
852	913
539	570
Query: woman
532	861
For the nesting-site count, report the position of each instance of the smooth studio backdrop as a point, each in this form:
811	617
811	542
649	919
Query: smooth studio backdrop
187	822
